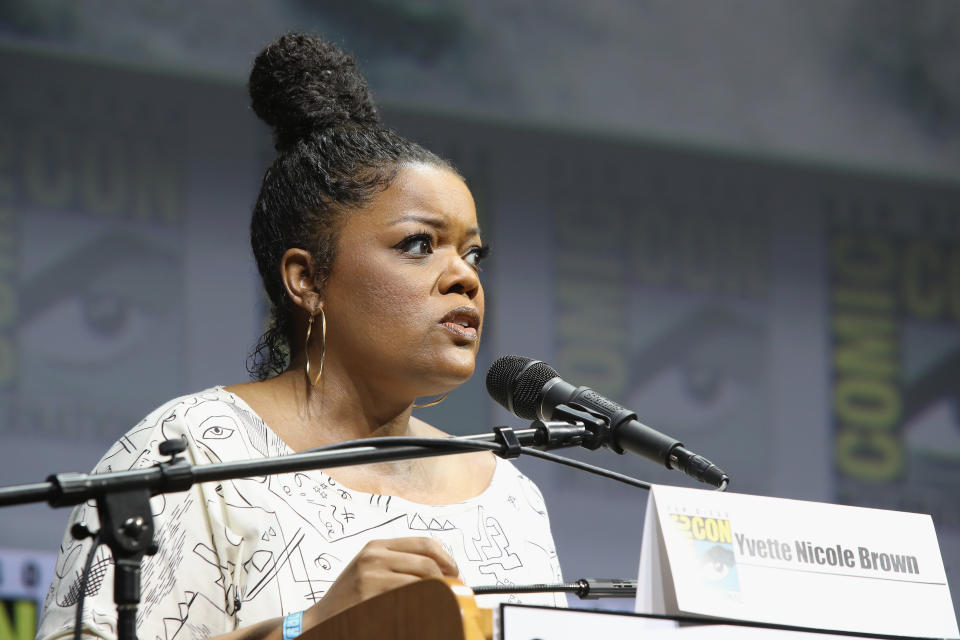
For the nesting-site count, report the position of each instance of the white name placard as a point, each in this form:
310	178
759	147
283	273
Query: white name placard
524	622
790	562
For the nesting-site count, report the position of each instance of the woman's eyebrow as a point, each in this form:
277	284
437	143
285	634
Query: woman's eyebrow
436	222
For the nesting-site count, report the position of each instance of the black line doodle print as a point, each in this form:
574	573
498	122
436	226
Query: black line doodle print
239	551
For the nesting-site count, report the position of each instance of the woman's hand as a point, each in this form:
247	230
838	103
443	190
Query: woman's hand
380	566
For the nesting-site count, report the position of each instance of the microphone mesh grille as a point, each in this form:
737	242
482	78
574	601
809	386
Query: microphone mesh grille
527	389
521	380
501	375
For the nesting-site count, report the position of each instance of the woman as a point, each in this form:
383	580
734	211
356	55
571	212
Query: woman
369	250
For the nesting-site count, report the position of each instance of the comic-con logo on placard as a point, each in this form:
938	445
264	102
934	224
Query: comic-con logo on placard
711	543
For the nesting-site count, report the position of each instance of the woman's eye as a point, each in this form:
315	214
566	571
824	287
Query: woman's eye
476	255
418	245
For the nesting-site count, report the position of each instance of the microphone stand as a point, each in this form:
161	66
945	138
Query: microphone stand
123	497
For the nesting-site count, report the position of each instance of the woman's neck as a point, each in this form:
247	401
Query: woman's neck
305	418
335	411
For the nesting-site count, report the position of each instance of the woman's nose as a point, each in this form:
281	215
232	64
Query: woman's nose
460	277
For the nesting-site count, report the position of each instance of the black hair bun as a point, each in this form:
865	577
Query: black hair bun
301	84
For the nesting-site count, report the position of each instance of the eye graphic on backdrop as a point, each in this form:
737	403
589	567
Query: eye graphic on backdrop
106	315
86	329
98	303
931	407
698	371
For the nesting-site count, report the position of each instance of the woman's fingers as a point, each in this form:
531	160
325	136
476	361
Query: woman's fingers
422	557
383	565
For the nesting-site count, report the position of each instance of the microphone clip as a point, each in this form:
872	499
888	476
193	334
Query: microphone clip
510	442
594	422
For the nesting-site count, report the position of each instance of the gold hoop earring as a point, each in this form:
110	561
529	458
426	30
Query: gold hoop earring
432	404
323	348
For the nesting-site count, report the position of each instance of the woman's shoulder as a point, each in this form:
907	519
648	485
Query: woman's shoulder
215	423
176	416
181	404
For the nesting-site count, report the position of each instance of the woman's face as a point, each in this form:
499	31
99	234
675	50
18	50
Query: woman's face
403	301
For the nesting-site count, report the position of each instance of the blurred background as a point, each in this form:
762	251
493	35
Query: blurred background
740	218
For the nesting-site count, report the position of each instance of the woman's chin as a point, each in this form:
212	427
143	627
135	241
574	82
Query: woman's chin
449	374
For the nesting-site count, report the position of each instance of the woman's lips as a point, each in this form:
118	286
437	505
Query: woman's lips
459	330
462	322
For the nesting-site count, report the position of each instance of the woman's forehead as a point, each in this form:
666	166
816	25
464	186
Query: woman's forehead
426	195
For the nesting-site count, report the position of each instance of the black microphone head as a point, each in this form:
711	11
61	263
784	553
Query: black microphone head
516	382
500	377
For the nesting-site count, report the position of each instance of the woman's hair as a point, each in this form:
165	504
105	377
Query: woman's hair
333	156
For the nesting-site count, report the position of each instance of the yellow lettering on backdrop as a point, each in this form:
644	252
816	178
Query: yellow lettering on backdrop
867	402
24	623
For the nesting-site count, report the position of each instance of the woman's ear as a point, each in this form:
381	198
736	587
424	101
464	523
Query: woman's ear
299	278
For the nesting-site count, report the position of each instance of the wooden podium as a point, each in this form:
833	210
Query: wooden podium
426	610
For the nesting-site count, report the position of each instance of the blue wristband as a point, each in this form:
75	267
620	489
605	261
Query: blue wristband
292	624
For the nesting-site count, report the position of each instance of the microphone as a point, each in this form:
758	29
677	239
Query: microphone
532	390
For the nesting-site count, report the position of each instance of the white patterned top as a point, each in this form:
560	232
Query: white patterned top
240	551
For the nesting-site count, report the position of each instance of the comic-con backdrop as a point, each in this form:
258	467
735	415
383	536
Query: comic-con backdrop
799	326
